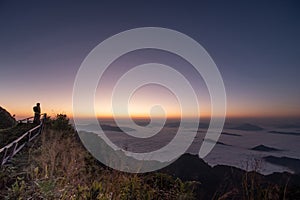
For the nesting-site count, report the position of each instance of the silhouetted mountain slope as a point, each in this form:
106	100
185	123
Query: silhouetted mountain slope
285	133
216	142
105	127
116	158
248	127
177	124
289	126
264	148
222	178
213	180
231	134
190	168
6	120
291	163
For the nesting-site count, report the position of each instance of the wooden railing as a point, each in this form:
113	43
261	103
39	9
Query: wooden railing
29	119
10	150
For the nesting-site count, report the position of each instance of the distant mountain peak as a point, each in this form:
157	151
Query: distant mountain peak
248	127
262	147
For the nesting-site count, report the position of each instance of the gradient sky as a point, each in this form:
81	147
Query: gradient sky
255	44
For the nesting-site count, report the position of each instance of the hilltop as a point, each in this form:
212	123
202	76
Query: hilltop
6	120
10	129
57	166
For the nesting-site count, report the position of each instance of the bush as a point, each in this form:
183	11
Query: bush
61	123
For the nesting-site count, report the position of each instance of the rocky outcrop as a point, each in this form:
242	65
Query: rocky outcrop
6	120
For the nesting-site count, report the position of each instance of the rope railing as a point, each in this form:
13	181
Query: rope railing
11	149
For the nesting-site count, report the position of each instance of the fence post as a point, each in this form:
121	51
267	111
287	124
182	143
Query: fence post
29	136
15	147
4	156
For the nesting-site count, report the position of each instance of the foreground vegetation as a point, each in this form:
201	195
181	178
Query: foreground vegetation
57	166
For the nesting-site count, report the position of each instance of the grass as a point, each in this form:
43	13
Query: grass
57	166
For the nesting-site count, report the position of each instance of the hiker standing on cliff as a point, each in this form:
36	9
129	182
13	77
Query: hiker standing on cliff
37	113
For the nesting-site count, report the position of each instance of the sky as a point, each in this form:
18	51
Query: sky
255	45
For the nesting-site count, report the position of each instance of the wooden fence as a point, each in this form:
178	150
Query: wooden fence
10	150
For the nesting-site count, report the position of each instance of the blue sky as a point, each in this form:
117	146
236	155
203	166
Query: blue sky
255	45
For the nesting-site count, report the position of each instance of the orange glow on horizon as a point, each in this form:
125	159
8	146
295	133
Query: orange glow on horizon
234	110
25	114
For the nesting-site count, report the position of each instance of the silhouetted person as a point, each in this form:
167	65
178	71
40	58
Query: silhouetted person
37	114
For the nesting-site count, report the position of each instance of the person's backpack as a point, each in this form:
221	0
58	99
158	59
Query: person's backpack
35	109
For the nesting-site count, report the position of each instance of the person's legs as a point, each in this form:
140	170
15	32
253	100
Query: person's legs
36	119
